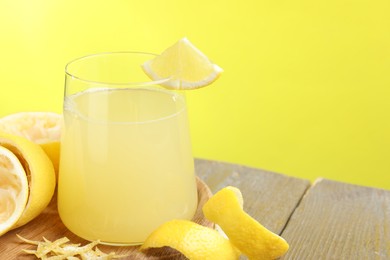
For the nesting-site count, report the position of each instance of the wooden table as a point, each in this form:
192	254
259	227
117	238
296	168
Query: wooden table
323	220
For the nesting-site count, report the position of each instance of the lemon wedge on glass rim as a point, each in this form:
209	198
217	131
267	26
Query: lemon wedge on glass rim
184	66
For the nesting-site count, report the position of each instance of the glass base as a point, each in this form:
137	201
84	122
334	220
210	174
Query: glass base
120	244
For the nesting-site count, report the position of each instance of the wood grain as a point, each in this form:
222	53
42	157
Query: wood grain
269	197
340	221
49	225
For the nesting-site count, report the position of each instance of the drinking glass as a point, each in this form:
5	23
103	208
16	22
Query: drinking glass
126	164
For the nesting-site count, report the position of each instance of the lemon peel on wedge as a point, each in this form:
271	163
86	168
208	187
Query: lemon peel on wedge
249	236
184	66
13	190
39	172
61	249
192	240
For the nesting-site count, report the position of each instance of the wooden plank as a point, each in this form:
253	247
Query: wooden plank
269	197
340	221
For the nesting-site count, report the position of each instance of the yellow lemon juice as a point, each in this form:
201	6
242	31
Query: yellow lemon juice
126	163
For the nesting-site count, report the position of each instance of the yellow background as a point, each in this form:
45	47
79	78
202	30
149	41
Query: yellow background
306	88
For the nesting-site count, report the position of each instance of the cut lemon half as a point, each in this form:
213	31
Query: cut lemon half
194	241
184	66
248	235
13	190
39	172
43	128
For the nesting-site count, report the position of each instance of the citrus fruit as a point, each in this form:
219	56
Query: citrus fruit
13	189
39	171
184	65
225	208
43	128
192	240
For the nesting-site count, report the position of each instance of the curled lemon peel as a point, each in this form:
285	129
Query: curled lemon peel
248	235
61	249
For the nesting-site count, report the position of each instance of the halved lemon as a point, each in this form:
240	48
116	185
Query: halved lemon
13	190
39	172
43	128
185	67
194	241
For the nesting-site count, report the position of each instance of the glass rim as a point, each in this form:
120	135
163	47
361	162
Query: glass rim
133	83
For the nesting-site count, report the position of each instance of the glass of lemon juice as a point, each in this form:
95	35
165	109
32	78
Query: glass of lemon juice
126	165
